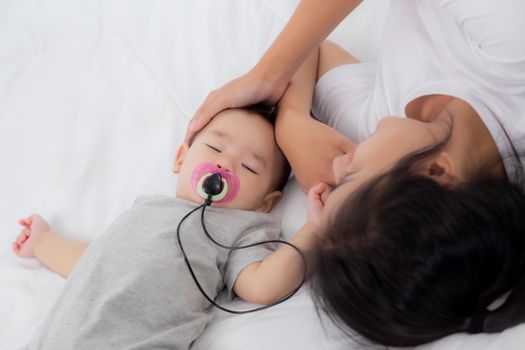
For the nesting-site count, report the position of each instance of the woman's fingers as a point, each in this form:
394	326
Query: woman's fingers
209	109
248	89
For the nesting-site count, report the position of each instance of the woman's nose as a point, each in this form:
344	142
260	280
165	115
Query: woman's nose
341	164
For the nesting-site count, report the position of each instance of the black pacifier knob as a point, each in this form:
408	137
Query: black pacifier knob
213	184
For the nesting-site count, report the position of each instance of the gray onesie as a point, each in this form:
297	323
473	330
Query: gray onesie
132	290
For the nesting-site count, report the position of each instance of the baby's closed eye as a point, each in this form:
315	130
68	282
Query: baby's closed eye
214	148
247	167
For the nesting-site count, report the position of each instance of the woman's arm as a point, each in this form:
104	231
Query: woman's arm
309	145
297	99
310	24
57	252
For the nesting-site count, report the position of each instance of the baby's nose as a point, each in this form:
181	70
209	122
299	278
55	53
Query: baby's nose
224	166
226	162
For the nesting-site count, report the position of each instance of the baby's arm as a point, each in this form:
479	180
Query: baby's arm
269	280
57	252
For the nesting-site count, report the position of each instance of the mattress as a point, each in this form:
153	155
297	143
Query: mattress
95	96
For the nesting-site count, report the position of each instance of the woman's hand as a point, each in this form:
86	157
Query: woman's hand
309	25
34	228
251	88
311	146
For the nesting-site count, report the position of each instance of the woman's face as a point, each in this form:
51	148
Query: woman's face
393	139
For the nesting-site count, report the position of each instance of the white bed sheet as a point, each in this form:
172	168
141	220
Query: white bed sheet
94	99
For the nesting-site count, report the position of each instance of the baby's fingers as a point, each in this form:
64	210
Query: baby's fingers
26	222
316	193
318	189
315	203
15	247
22	238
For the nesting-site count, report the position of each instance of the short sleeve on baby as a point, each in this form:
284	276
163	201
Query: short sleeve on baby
265	227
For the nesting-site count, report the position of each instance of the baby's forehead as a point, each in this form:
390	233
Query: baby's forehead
233	115
240	123
244	128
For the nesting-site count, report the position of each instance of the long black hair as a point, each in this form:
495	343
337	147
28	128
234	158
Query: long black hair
406	261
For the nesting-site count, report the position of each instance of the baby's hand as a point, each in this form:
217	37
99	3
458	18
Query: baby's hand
316	197
33	228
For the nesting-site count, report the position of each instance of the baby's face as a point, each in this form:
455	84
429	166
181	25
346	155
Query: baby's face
242	143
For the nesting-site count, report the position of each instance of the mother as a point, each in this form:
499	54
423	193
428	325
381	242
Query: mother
426	227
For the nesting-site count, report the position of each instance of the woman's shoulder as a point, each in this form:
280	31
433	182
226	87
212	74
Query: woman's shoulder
486	37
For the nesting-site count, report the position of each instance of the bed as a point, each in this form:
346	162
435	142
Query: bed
95	96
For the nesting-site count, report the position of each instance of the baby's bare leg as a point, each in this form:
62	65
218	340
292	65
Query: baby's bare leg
57	252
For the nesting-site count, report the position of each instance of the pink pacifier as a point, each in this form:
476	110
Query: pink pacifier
225	192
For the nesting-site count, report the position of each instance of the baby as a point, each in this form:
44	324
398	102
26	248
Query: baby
131	289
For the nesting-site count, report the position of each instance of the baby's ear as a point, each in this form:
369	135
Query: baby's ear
269	201
181	154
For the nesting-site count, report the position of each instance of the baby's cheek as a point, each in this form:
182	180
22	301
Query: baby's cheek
243	200
247	199
185	190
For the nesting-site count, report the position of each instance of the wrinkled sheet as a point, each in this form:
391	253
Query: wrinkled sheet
94	100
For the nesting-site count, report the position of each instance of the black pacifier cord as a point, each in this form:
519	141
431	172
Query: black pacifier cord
186	260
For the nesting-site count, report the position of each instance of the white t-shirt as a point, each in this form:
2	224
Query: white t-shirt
470	49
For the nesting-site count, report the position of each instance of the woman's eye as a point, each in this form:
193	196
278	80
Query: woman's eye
249	169
214	148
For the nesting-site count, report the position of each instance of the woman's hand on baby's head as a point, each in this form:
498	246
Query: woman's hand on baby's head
248	89
33	228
